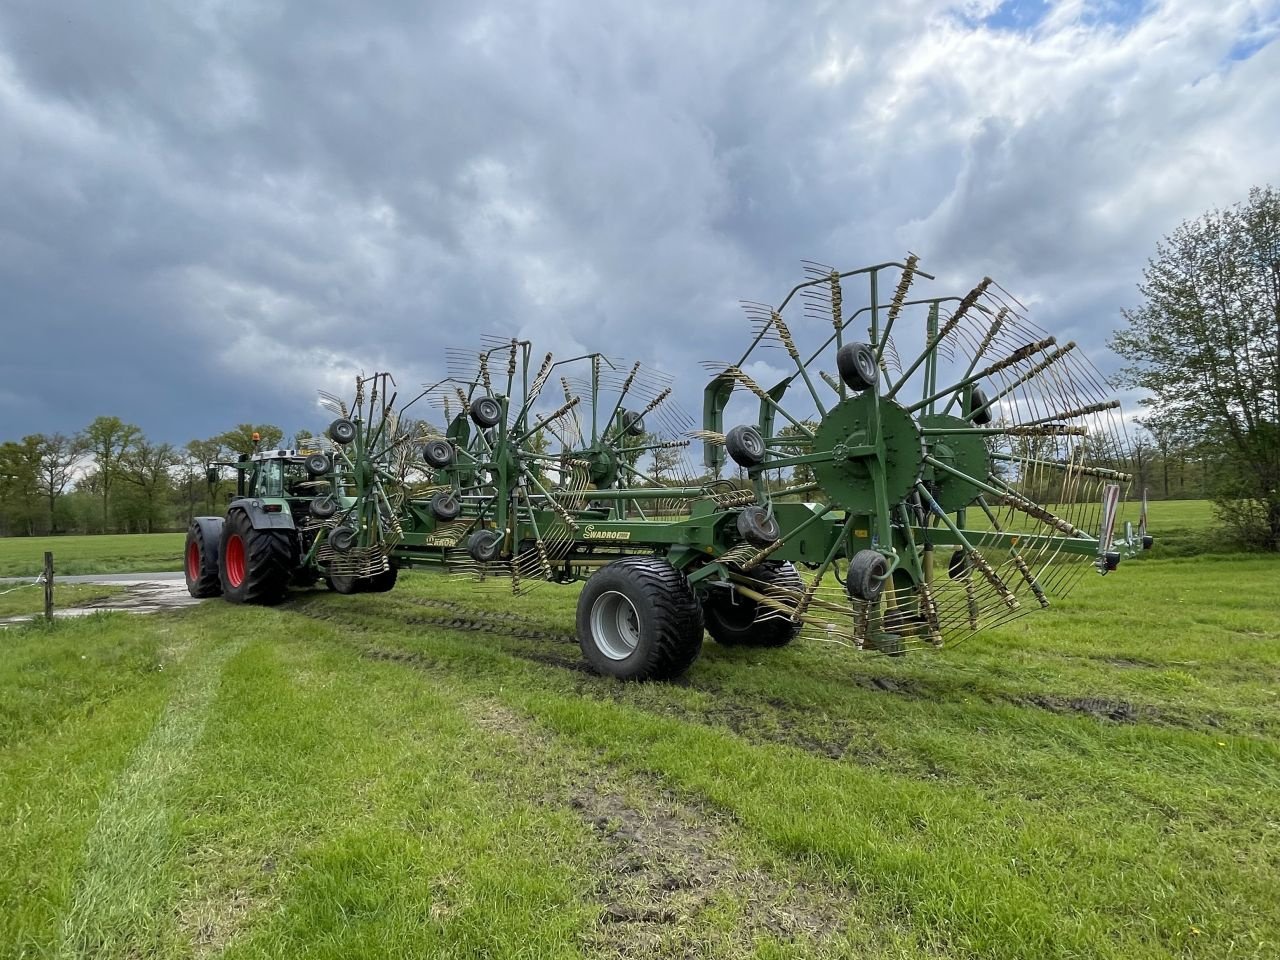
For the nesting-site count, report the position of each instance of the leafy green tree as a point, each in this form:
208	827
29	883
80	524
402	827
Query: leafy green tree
146	465
1205	344
20	486
240	439
205	455
108	439
60	457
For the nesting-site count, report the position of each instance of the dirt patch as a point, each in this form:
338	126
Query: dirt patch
666	874
1117	711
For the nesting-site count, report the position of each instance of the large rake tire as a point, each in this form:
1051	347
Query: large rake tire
382	582
638	619
343	583
255	566
201	557
731	618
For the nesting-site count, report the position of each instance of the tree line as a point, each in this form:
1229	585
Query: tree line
111	478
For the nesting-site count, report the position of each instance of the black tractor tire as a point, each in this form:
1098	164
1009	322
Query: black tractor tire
731	619
438	453
638	619
977	402
382	582
201	553
255	566
486	411
342	431
868	570
857	365
958	567
632	423
318	465
342	539
758	526
484	546
745	446
445	506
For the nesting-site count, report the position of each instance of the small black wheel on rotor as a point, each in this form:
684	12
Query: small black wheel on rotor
484	546
758	527
341	431
857	365
745	446
868	573
438	453
486	411
445	506
317	465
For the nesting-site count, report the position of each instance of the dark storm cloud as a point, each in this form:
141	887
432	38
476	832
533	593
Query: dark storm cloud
212	209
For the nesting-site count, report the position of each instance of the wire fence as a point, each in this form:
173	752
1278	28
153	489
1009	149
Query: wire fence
45	579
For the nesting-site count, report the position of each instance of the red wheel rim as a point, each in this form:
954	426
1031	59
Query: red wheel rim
235	560
193	561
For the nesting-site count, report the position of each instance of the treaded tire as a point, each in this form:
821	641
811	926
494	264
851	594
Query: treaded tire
255	566
666	617
731	619
201	559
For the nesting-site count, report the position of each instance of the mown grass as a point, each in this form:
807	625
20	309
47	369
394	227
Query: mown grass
111	553
428	773
21	600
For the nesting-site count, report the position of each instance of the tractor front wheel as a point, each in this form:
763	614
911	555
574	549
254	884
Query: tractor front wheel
638	619
255	566
201	556
732	618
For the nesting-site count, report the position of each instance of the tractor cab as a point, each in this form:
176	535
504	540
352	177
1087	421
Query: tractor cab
276	474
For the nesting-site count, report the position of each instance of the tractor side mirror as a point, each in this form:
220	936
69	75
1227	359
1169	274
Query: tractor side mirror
212	475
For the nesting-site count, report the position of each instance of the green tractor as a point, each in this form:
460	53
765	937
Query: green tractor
295	519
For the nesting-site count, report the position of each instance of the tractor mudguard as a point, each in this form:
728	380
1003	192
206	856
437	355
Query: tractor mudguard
260	517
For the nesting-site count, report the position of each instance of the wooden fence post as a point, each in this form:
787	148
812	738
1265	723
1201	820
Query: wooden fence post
48	586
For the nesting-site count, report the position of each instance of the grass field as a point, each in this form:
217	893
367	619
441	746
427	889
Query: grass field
114	553
429	773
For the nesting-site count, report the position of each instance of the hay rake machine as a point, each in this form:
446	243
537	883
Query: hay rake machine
913	469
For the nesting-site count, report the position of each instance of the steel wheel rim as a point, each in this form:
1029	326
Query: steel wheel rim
193	561
235	560
615	625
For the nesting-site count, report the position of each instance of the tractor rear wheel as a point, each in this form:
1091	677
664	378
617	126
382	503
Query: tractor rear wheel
638	619
255	566
731	617
201	555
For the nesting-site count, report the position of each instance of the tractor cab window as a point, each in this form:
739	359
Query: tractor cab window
269	481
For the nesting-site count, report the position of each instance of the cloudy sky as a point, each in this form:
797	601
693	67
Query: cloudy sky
211	208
